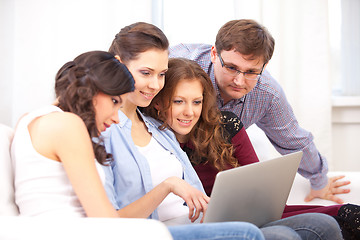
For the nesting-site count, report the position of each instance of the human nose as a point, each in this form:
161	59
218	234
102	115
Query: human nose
239	79
188	110
154	83
115	117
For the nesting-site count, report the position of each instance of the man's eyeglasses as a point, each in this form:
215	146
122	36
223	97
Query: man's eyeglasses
232	71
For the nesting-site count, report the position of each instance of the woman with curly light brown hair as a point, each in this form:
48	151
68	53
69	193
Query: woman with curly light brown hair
209	145
214	140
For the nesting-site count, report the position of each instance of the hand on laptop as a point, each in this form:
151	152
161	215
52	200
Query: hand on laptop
196	200
330	190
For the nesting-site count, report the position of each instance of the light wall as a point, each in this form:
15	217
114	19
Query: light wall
346	130
37	37
6	61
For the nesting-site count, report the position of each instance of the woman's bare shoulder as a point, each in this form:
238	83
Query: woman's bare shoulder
57	126
55	131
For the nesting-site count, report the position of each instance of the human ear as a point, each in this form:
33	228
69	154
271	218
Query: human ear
213	54
118	58
265	66
94	102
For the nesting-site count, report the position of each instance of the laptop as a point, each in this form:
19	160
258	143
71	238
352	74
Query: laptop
255	193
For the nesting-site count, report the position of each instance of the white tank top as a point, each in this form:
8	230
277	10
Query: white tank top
163	165
42	187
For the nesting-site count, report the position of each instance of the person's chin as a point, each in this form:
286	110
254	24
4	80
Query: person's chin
143	102
237	95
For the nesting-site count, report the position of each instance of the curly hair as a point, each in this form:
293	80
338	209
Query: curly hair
78	81
207	136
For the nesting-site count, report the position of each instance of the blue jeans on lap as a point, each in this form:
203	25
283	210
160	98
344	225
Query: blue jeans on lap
216	231
312	226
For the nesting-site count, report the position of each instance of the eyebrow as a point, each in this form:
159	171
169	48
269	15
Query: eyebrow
151	69
182	97
147	68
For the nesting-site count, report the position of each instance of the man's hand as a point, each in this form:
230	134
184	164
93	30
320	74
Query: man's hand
329	192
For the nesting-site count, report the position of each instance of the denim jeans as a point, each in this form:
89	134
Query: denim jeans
218	231
312	226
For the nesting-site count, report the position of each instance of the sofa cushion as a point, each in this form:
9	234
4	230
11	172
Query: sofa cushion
301	188
7	202
39	228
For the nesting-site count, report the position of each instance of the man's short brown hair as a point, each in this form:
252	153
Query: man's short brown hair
247	37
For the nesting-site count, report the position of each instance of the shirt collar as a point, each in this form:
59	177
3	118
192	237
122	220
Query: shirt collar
232	102
123	119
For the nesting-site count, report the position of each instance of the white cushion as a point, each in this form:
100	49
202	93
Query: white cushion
38	228
17	228
301	188
7	202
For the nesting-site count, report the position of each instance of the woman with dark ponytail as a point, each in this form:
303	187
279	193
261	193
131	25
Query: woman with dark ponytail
57	149
78	81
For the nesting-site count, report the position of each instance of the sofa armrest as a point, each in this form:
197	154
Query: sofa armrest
38	228
7	202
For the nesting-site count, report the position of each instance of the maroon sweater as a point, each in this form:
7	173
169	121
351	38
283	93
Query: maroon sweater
244	153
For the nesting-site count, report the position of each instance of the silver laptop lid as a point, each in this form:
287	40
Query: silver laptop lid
255	193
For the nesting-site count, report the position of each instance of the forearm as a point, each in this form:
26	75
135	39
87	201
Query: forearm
314	167
144	206
286	135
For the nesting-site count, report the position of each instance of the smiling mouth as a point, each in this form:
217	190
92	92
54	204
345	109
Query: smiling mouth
147	95
186	122
106	125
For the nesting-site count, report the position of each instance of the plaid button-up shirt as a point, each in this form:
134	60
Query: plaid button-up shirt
266	106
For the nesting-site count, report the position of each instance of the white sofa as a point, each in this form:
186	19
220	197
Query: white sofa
301	186
15	227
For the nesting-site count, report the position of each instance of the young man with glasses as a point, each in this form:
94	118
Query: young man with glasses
236	66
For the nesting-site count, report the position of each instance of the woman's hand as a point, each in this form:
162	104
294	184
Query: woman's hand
194	198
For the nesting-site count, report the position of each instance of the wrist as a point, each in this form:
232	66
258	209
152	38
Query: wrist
319	182
168	184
